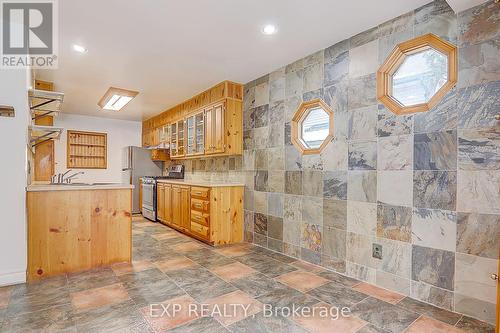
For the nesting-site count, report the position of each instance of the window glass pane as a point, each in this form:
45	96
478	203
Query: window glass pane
315	127
419	77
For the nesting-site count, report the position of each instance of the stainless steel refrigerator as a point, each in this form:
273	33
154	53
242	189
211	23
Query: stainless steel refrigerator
137	163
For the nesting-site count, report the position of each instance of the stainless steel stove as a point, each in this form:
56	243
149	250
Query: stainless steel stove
149	201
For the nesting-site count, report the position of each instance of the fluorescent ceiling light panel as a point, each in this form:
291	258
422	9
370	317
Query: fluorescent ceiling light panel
115	98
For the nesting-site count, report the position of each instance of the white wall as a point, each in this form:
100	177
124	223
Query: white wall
121	133
13	177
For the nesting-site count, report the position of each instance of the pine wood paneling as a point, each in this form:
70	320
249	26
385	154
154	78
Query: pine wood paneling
220	127
70	231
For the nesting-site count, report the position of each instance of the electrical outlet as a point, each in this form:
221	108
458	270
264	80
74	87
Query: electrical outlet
377	251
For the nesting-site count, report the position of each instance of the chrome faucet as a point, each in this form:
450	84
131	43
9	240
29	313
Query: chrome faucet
59	178
68	179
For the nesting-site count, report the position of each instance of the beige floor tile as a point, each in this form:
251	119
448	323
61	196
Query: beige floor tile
161	321
301	280
234	251
187	247
233	307
429	325
380	293
325	318
233	271
98	297
174	264
135	266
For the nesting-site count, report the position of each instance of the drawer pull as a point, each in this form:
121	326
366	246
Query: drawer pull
198	205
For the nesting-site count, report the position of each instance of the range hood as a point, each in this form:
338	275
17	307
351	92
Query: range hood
44	102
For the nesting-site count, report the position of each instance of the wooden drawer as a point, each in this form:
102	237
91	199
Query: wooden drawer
200	205
200	218
199	230
200	192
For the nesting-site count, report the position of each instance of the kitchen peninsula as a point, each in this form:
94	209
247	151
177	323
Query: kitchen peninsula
73	227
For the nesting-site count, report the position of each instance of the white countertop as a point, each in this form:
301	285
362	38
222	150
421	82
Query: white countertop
77	187
202	183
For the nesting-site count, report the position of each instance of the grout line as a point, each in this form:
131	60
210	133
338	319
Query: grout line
413	322
459	319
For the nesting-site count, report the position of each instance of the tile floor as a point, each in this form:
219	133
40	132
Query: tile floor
171	270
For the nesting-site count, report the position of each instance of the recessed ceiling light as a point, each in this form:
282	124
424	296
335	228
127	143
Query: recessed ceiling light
115	98
269	29
79	48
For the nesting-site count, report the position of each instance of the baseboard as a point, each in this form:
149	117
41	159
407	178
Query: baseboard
7	279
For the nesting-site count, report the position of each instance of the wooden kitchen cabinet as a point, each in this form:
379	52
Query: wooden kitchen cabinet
156	137
208	124
164	134
160	202
167	200
180	206
215	140
150	138
181	137
173	139
195	127
177	140
211	214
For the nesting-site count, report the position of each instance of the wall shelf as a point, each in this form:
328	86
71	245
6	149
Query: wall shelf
44	103
86	150
39	134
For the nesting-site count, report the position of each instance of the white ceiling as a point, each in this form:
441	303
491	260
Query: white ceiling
169	50
461	5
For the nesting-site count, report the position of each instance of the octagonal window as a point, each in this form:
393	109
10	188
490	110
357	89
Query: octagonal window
315	127
419	77
417	74
312	126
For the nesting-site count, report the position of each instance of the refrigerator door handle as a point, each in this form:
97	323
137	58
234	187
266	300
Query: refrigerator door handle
128	159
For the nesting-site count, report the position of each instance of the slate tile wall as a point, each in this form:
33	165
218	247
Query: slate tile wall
425	186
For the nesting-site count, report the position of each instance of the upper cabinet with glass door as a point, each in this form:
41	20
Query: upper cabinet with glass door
173	140
190	145
165	134
417	75
195	126
181	137
199	128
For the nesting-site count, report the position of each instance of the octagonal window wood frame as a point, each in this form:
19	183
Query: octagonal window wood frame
297	119
396	58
